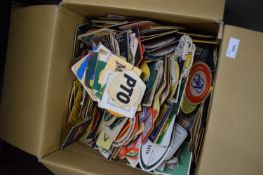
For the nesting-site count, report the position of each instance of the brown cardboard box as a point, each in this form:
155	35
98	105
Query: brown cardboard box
37	84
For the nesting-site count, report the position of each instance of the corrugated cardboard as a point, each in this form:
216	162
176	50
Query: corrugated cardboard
38	80
234	138
60	80
186	17
86	162
37	77
28	60
205	9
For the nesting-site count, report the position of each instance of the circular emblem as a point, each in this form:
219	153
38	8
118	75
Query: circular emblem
198	84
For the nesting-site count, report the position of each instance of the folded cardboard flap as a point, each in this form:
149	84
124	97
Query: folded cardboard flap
71	161
60	80
202	24
26	76
205	9
233	142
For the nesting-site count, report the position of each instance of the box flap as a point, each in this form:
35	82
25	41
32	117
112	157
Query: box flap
208	9
24	90
59	81
60	163
234	139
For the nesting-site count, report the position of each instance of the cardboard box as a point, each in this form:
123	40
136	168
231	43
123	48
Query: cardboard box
38	79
